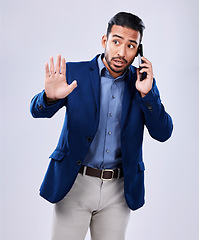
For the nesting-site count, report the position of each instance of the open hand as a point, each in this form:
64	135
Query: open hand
56	86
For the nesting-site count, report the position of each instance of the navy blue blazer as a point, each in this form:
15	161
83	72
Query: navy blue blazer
81	124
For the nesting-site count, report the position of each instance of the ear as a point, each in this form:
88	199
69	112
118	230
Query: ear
104	41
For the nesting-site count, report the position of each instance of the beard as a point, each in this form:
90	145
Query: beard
117	69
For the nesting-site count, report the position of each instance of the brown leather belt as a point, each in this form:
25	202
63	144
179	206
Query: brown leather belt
104	174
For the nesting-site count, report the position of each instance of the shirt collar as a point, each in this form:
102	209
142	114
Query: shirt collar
101	65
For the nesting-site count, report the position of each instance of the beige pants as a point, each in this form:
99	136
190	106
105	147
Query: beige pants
95	203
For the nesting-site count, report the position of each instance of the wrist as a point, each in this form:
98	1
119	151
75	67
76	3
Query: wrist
49	100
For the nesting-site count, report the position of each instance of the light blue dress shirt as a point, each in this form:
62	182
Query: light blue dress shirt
105	149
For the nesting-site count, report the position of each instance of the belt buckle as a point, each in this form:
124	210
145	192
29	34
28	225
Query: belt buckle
107	170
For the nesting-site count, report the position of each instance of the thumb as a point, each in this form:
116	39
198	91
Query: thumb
72	86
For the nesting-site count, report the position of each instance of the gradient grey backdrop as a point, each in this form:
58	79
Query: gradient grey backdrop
33	30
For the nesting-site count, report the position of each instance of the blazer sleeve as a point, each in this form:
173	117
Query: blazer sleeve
157	120
40	109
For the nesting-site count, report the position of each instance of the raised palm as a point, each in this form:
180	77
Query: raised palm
56	86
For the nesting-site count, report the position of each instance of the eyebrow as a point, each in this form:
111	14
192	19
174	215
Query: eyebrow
133	41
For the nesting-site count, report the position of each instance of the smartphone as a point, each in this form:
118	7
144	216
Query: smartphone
140	54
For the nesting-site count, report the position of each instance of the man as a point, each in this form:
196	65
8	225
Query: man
96	173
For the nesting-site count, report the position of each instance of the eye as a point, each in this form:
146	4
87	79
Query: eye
130	46
116	42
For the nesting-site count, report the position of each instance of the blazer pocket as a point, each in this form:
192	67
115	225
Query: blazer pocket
57	155
141	166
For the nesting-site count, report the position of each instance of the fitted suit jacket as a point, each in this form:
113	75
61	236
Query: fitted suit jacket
81	123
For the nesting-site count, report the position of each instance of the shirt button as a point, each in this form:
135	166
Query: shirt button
89	139
79	162
110	114
107	150
40	107
113	96
109	133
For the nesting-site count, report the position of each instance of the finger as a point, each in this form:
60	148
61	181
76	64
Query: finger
47	70
145	60
51	65
147	65
63	66
147	70
58	62
72	86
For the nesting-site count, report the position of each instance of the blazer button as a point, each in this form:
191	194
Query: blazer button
40	107
79	162
89	139
149	106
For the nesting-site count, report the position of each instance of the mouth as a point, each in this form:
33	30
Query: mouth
118	63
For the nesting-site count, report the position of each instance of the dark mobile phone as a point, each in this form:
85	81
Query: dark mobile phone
140	54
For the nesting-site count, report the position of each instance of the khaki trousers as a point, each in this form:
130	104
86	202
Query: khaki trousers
95	203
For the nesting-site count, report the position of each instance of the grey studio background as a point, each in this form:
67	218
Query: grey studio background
33	30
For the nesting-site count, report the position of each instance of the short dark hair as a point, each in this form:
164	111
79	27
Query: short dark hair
128	20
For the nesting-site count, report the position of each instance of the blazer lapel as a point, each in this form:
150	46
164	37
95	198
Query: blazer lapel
95	81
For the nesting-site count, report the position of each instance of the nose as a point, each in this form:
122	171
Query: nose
121	51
